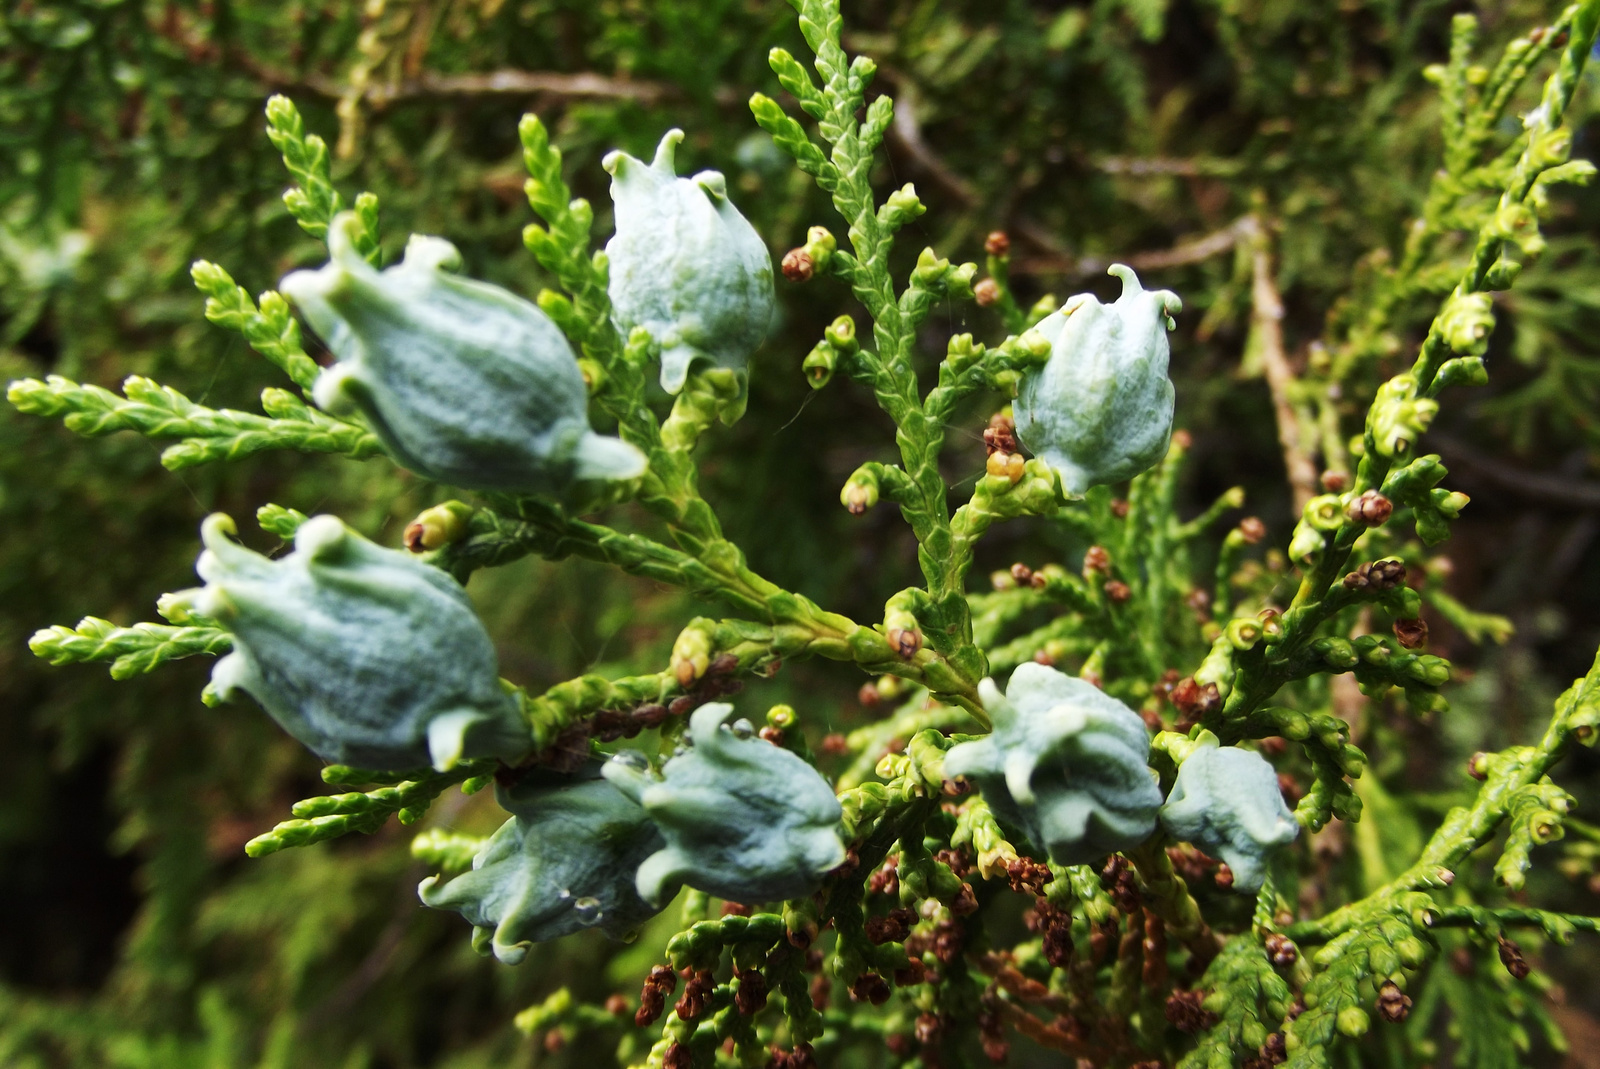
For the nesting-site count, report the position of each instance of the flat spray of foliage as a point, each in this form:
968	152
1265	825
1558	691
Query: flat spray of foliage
899	874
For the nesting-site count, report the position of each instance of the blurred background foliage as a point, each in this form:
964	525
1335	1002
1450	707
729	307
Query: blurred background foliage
135	931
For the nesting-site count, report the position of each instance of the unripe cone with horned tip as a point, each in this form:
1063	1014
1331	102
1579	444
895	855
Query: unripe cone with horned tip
1227	802
685	265
743	819
367	656
1065	765
464	382
1100	409
564	862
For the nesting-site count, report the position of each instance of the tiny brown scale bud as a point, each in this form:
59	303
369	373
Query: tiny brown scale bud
1511	957
870	987
1252	530
1224	877
735	909
956	859
998	243
835	744
413	538
1275	1051
821	992
681	705
752	993
1394	1005
948	942
1022	573
1412	634
986	292
1118	591
1371	509
905	641
617	1005
1335	481
1119	507
1281	950
1273	745
1290	788
955	788
554	1041
678	1057
1478	766
650	715
1028	876
913	974
1000	436
965	902
798	265
1096	559
900	1045
772	735
1182	439
1187	1013
929	1028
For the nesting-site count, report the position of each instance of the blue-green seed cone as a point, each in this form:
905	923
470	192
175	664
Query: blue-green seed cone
741	818
1227	802
367	656
565	861
1100	409
1065	765
686	266
464	382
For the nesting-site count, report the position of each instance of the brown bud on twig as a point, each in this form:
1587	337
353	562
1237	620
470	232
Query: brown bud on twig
1378	575
1022	574
1194	701
905	641
1275	1051
891	928
1511	957
1371	509
998	243
870	987
1224	877
1252	530
1028	876
1335	481
986	292
1118	591
1413	634
678	1057
1119	507
1281	950
798	265
1394	1005
752	993
1187	1013
869	695
1478	766
1000	436
617	1005
1096	559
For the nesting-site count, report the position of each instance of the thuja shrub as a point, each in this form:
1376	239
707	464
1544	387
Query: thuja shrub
1133	753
